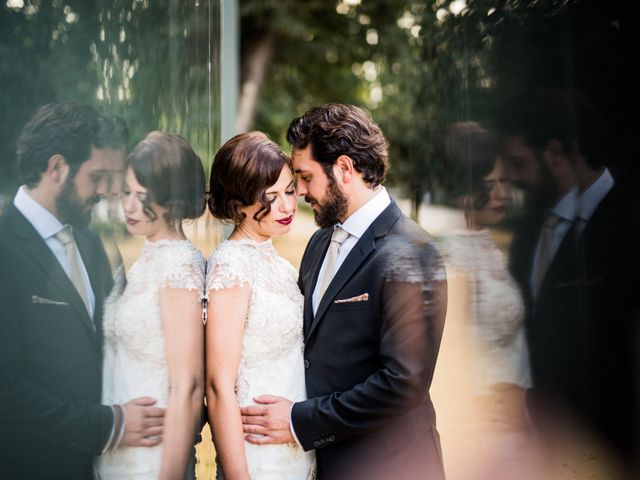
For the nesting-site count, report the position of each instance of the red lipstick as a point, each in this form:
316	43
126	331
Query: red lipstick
285	221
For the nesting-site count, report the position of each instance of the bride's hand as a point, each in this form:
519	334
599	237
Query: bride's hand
270	418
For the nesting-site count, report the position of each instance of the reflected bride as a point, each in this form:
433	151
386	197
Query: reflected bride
152	327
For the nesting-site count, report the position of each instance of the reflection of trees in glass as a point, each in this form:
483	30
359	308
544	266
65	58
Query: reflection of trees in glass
420	65
405	61
152	62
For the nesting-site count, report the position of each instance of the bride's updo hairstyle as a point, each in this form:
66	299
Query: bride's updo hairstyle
172	172
243	169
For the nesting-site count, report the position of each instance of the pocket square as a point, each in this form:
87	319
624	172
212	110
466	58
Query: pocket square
46	301
359	298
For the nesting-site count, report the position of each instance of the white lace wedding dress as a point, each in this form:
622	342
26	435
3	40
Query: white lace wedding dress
496	309
271	361
134	349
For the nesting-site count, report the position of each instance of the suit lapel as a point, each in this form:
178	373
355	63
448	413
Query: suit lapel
563	264
358	254
316	263
44	259
85	249
524	249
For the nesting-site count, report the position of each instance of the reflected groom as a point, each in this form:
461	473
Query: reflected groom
375	302
53	282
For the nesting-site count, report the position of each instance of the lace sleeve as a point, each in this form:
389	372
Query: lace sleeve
413	262
181	266
457	252
229	266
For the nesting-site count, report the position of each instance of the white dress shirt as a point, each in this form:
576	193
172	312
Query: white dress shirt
48	226
355	226
565	210
591	198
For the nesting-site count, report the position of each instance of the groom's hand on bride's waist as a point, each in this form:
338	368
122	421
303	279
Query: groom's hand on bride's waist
143	422
268	422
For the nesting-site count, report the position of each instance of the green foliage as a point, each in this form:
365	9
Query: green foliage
147	61
414	65
419	66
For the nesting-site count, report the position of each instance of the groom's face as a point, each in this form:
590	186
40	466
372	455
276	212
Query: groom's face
319	190
95	178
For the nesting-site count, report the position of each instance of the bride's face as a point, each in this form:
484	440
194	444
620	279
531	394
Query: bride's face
144	218
282	199
498	192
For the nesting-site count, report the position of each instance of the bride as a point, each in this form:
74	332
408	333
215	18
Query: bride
153	328
254	313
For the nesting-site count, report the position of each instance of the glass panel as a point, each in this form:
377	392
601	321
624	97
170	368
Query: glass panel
153	63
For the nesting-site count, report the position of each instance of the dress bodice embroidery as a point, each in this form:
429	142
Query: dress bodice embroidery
134	343
271	360
495	308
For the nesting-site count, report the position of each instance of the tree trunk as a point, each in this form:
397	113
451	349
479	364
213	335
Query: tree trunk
255	68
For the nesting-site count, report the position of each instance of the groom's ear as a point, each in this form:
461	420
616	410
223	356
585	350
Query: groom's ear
345	168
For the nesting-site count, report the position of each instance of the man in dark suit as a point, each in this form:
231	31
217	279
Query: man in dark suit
53	282
543	262
375	302
580	315
607	242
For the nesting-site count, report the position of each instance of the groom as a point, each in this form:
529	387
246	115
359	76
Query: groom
54	277
375	302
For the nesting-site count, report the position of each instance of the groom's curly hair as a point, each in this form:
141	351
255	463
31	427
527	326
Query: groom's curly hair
336	129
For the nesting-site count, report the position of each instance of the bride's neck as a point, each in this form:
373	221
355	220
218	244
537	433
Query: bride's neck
243	232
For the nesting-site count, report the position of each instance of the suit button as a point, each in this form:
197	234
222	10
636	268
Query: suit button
306	363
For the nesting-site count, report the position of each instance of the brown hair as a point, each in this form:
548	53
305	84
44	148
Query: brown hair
335	129
69	129
242	170
172	172
472	153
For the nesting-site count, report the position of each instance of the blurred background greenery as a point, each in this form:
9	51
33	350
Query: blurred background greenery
417	66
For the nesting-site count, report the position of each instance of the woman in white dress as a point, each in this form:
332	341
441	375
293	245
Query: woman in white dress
499	362
153	326
254	312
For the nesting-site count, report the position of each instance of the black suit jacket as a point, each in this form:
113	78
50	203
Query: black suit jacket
608	267
369	364
50	357
553	321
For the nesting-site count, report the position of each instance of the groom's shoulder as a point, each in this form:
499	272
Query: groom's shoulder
318	236
406	230
408	244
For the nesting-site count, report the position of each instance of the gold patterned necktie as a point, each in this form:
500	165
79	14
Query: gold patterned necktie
66	238
337	238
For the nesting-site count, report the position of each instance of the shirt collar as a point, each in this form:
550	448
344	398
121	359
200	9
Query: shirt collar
45	222
592	196
567	206
361	219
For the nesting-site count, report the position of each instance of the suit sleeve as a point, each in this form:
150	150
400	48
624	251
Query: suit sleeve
414	297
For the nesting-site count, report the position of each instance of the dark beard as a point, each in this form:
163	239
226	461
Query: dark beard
545	194
70	208
333	208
